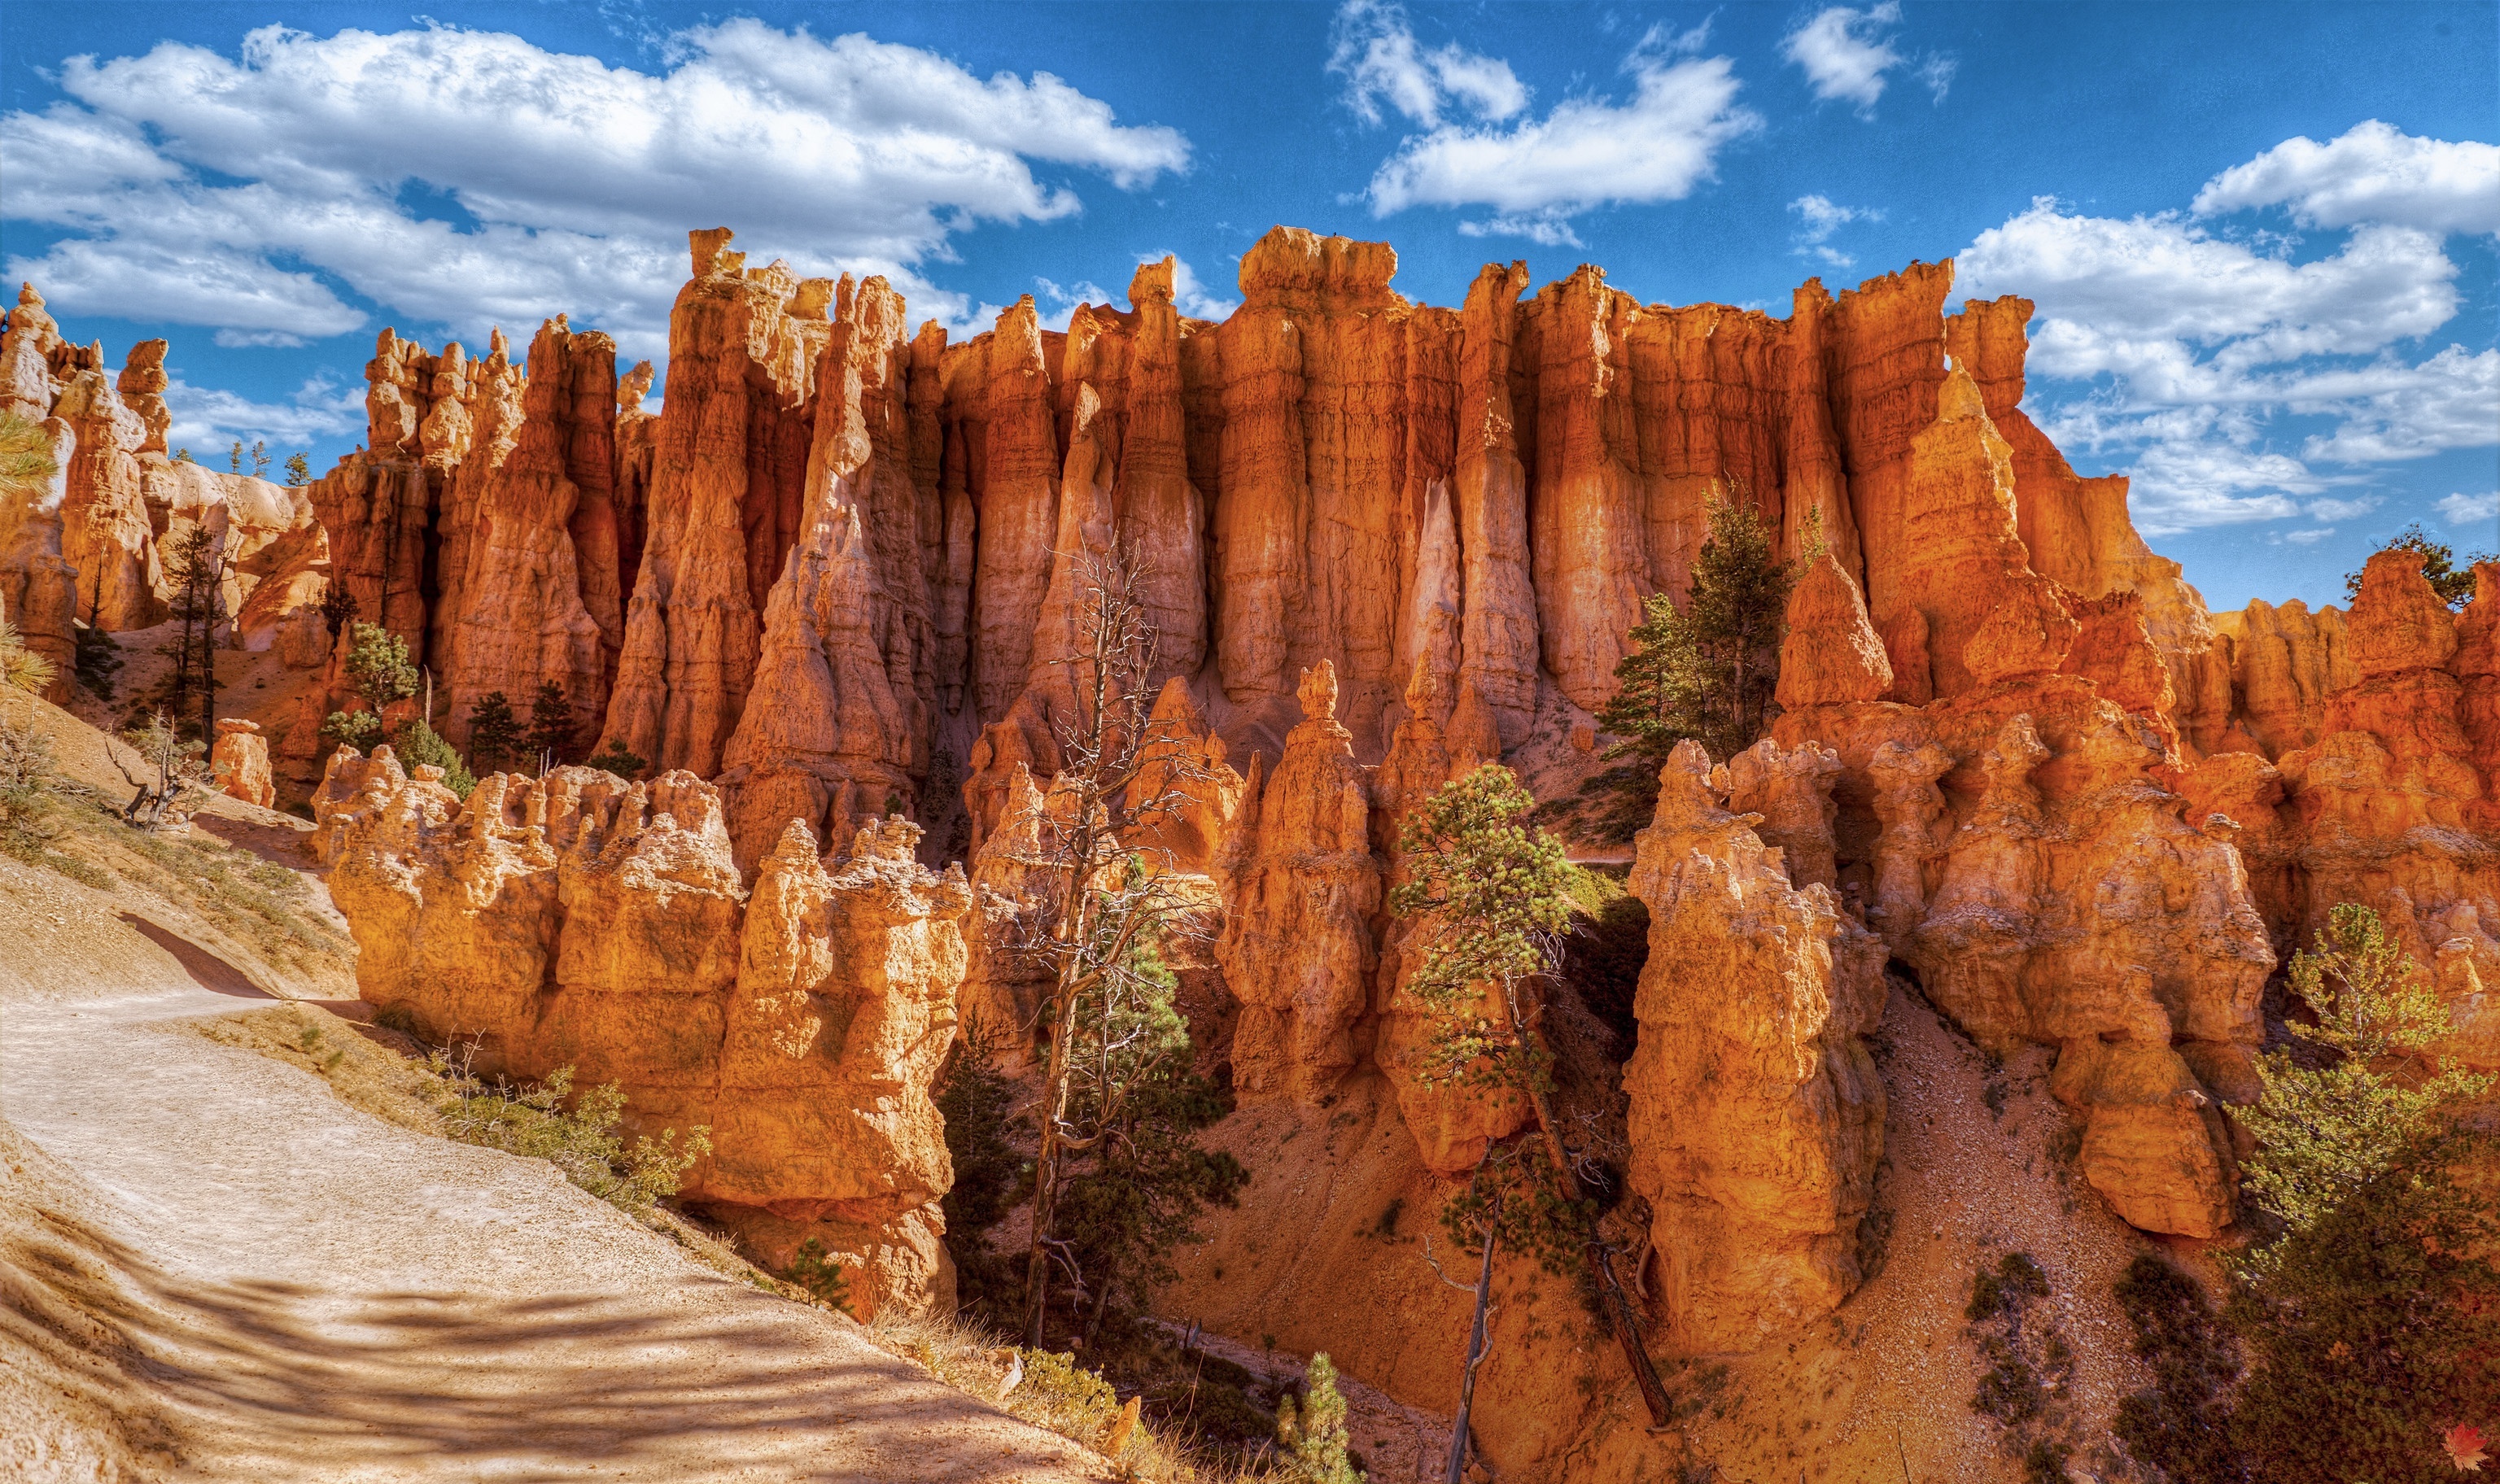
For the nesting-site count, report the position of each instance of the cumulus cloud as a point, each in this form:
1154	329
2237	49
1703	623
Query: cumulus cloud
207	419
2471	509
1845	54
2374	171
462	178
1820	218
1373	48
1585	153
2194	348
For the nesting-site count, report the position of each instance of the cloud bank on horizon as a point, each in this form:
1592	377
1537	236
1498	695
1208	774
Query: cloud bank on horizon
2257	351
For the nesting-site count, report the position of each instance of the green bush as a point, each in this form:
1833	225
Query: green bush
825	1280
2375	1329
535	1123
421	746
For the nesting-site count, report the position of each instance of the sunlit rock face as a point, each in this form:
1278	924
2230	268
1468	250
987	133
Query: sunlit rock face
839	574
578	920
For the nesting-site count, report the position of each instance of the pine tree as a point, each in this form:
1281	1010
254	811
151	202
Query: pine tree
195	571
494	733
1140	1179
2323	1132
548	740
1486	893
299	470
421	746
614	757
259	459
234	458
1707	671
2454	584
338	607
379	672
1311	1437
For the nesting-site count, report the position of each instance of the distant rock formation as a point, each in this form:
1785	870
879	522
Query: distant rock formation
93	550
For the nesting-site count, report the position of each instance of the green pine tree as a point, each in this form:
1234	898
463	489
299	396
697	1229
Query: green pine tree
2323	1132
420	746
494	733
1134	1190
1706	672
299	470
1488	893
379	673
1311	1437
614	757
550	735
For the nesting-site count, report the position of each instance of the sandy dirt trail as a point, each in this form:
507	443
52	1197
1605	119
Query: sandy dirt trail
311	1294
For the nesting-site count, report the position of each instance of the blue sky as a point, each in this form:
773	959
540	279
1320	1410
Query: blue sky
2262	237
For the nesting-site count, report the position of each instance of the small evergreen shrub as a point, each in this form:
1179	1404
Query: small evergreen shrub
535	1123
826	1280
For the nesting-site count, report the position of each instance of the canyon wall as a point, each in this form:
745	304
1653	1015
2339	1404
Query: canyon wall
839	575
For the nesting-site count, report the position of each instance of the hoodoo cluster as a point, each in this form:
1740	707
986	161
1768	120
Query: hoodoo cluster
827	590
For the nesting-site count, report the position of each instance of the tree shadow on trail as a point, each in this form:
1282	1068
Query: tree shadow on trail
283	1381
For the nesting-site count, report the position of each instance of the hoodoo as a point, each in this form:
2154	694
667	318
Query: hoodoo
833	599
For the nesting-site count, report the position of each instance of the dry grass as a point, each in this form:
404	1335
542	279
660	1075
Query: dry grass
1054	1394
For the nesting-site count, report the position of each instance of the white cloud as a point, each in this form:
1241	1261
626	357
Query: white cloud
1546	229
2374	171
2471	509
2341	509
1190	296
1585	152
1935	73
1845	54
207	419
241	192
2310	538
1373	48
1820	218
2133	290
2392	410
2195	344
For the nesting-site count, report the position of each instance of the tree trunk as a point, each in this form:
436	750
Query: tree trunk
1045	1167
1475	1357
1602	1266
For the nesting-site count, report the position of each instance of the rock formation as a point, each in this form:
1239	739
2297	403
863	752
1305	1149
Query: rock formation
838	575
90	550
1301	887
580	921
239	765
1757	1112
2052	889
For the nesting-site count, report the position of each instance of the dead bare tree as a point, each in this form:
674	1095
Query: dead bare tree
173	778
1122	777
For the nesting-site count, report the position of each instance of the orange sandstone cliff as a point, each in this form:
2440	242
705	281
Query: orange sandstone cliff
826	588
